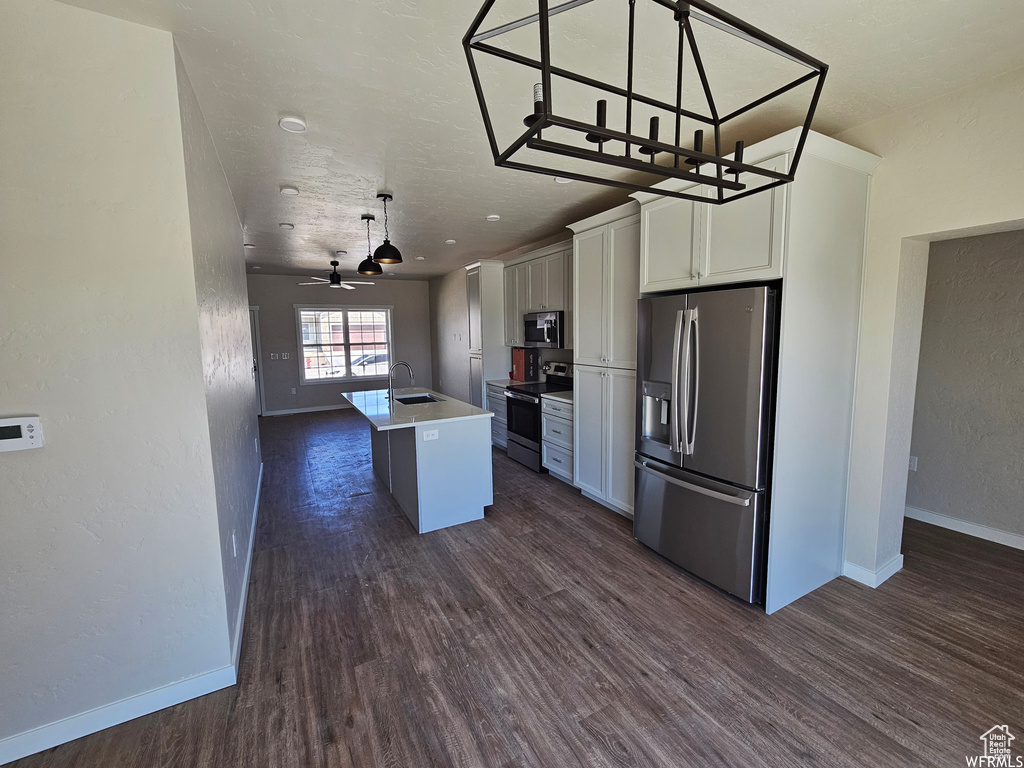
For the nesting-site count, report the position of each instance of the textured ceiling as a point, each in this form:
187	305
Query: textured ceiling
385	90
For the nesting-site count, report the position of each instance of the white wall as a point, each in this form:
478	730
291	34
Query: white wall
277	295
969	416
219	264
110	573
951	167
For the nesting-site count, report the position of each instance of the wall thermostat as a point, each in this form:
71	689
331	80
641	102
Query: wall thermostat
20	433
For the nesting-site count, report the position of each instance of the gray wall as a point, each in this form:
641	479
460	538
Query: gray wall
219	263
449	309
110	575
969	409
277	295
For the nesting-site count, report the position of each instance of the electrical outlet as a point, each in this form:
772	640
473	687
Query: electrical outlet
293	390
913	463
234	543
285	355
274	356
430	434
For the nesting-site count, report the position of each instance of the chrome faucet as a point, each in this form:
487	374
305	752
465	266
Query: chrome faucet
391	378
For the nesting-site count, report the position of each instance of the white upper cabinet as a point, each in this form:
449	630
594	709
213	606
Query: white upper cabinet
670	230
540	282
607	277
589	342
743	239
554	278
547	283
685	244
623	254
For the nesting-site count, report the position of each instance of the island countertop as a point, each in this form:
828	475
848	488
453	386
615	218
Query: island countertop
383	414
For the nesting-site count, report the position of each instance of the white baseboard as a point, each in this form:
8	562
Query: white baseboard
308	410
872	578
628	513
1014	540
240	619
75	727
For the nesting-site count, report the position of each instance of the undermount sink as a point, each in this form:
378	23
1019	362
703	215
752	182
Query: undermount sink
416	399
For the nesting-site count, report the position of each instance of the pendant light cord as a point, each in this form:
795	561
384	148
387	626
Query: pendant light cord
386	236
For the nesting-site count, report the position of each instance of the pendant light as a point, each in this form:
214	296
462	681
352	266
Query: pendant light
368	266
386	253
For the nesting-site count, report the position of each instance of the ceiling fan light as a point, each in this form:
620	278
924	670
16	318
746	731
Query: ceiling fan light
387	254
369	267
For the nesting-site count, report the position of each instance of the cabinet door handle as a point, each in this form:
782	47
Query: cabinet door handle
556	431
554	459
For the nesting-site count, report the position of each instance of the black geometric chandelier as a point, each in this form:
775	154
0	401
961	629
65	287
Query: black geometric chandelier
558	130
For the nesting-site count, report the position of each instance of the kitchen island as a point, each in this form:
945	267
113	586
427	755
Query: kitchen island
432	452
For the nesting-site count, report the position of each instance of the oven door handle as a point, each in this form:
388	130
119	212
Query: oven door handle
524	398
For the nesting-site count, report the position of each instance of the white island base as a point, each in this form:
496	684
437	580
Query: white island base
435	458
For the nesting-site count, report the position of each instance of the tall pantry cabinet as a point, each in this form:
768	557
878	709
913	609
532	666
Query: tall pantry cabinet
606	269
488	356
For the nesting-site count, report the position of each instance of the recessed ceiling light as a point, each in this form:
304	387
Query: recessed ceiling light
287	189
292	124
248	245
562	180
256	266
341	253
452	242
420	258
286	225
493	217
391	274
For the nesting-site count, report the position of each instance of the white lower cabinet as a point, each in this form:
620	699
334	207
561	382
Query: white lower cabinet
603	419
497	405
556	436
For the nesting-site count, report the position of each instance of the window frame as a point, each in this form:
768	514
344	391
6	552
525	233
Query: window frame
388	309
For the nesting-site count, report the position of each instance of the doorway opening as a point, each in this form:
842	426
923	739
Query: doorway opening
967	437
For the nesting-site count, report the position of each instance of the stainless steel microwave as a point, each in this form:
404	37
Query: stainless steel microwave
544	329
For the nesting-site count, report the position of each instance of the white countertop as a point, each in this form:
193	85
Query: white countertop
566	396
382	414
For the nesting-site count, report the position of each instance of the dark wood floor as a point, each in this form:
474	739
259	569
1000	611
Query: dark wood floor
544	635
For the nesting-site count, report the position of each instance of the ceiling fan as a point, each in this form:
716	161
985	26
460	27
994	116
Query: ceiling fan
334	280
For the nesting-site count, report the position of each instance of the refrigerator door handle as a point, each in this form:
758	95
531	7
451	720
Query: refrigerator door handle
740	501
676	405
692	378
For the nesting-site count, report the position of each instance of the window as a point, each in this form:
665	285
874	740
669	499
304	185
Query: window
344	343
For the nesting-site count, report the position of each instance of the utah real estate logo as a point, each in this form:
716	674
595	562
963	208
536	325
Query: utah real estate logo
997	740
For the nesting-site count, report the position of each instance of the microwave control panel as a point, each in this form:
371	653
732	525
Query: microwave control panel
20	433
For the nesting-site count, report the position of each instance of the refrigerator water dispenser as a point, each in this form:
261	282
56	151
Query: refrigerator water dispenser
657	402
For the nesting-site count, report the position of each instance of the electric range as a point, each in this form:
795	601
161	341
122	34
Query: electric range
522	401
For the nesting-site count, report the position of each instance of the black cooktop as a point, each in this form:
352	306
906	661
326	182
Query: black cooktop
540	387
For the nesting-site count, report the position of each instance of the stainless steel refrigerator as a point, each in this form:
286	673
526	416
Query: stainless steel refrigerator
705	362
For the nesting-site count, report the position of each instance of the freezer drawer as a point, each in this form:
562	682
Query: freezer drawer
713	530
